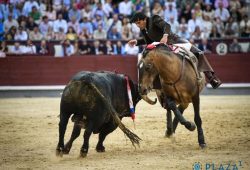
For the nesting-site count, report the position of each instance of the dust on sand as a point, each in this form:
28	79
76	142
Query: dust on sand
29	135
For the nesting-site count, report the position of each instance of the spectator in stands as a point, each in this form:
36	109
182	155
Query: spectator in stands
1	30
74	12
71	34
235	9
183	33
17	49
107	8
209	11
220	26
100	33
21	34
76	47
119	48
214	32
197	11
60	23
114	22
186	12
50	35
108	49
222	13
193	23
27	8
205	46
126	33
75	24
30	48
138	5
98	21
50	13
131	50
43	47
11	9
207	25
3	49
98	10
170	12
43	6
86	12
84	48
235	46
114	34
64	12
97	49
10	35
231	28
60	35
245	26
67	3
223	3
125	8
35	14
68	48
22	20
196	35
35	35
85	35
174	25
9	23
44	25
86	24
158	10
57	4
31	24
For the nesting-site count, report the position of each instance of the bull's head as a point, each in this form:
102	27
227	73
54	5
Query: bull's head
147	74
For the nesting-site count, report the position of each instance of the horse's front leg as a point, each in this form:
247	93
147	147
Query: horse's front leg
172	106
198	121
181	108
169	131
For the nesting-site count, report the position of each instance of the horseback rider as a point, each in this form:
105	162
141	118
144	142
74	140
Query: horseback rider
156	29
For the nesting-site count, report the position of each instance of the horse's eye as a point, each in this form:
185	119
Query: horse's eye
148	66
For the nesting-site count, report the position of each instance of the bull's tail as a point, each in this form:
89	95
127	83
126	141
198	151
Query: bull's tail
133	137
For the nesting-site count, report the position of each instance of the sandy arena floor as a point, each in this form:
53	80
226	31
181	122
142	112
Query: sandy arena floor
29	135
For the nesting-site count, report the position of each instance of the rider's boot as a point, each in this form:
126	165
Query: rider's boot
204	65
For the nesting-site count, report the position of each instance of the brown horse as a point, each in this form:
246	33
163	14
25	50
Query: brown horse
179	85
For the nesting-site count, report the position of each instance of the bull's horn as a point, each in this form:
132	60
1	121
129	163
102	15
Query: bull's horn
148	100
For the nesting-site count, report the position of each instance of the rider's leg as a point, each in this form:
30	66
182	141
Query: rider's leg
206	67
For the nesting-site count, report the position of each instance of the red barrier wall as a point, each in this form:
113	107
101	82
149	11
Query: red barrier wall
47	70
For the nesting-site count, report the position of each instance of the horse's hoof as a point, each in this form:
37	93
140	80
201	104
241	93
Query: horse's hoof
67	148
203	145
59	153
83	153
190	126
168	134
100	149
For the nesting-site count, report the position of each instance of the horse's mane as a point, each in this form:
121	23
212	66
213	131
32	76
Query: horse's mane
165	48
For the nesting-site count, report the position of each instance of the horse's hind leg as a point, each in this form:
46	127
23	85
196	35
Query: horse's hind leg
172	106
181	108
198	121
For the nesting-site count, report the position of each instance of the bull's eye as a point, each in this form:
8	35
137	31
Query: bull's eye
148	66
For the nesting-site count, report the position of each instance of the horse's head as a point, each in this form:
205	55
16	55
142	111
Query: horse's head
147	73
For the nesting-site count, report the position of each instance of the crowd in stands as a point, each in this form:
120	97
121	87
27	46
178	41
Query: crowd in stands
106	23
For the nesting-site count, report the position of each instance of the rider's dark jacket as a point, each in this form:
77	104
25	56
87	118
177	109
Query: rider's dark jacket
156	27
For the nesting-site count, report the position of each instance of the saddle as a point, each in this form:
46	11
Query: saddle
183	50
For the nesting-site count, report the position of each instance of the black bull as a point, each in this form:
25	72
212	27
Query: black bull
98	102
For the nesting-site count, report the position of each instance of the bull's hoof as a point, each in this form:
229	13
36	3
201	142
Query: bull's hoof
203	145
190	126
83	153
67	148
100	148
